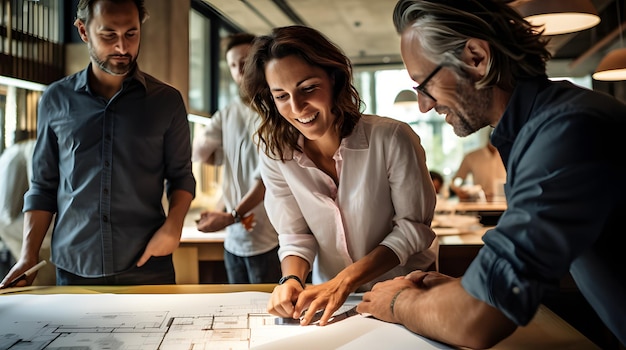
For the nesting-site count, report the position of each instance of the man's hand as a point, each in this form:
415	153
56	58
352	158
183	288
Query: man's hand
428	279
162	243
380	302
212	221
17	270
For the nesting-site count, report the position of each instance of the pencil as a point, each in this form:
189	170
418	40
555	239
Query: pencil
26	274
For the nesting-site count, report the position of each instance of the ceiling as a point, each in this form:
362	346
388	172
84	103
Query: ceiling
364	29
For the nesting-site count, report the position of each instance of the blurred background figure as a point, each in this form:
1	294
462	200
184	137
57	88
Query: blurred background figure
480	176
437	181
251	246
15	174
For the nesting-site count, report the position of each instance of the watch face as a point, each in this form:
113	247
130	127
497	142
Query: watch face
235	215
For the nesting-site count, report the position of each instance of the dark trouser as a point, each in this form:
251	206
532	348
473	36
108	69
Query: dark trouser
157	270
262	268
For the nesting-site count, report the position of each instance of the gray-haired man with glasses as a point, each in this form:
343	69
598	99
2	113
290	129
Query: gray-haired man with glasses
483	65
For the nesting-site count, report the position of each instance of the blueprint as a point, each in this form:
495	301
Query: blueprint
166	322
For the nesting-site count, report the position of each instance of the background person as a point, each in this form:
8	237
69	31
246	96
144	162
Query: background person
490	67
337	186
15	173
486	169
437	179
108	137
251	250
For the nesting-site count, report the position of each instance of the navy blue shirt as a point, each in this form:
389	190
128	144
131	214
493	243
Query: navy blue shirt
102	165
562	146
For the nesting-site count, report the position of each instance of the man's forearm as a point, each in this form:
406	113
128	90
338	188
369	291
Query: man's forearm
448	313
254	196
36	224
179	203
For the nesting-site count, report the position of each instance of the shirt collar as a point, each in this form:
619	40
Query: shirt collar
517	113
356	140
82	76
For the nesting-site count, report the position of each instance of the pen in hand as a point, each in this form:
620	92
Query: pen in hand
26	274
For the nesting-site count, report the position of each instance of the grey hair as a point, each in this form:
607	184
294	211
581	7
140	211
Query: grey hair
443	27
84	9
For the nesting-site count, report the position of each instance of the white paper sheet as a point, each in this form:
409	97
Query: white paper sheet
181	321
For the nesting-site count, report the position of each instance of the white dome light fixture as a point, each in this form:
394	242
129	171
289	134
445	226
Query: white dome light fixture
558	16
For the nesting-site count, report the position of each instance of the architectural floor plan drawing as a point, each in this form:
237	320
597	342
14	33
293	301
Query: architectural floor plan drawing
145	322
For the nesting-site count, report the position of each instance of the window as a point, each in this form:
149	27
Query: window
444	149
210	88
199	63
18	110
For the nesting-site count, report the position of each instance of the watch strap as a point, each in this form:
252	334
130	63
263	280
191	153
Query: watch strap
291	277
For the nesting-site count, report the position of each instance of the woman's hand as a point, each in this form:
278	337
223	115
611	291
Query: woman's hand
328	296
284	298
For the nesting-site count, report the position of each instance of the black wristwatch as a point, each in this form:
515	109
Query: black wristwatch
291	277
235	215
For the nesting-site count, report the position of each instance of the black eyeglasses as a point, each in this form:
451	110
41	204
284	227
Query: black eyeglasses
421	88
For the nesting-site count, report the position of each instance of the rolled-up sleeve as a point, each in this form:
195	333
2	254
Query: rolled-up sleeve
178	151
412	194
42	194
294	235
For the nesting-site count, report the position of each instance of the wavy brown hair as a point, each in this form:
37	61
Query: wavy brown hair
277	136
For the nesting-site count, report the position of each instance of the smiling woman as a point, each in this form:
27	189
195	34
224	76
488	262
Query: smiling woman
337	193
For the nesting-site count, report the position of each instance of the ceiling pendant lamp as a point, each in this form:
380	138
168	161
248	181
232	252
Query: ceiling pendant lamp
405	97
558	16
613	65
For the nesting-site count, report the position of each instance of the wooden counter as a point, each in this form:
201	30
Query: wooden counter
456	249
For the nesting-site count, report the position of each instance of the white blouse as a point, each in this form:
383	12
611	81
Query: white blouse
385	197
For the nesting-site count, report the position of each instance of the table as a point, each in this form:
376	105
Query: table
488	212
457	247
196	247
546	330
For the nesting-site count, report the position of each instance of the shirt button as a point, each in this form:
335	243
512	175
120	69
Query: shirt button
106	191
106	163
516	290
108	137
105	218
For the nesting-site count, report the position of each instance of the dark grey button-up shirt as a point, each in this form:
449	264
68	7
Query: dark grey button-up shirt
563	149
102	166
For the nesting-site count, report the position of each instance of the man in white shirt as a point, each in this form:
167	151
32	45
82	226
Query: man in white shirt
251	245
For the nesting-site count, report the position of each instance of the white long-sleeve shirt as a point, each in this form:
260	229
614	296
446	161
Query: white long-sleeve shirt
385	197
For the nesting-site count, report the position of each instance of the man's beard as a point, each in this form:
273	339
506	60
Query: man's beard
108	67
475	102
